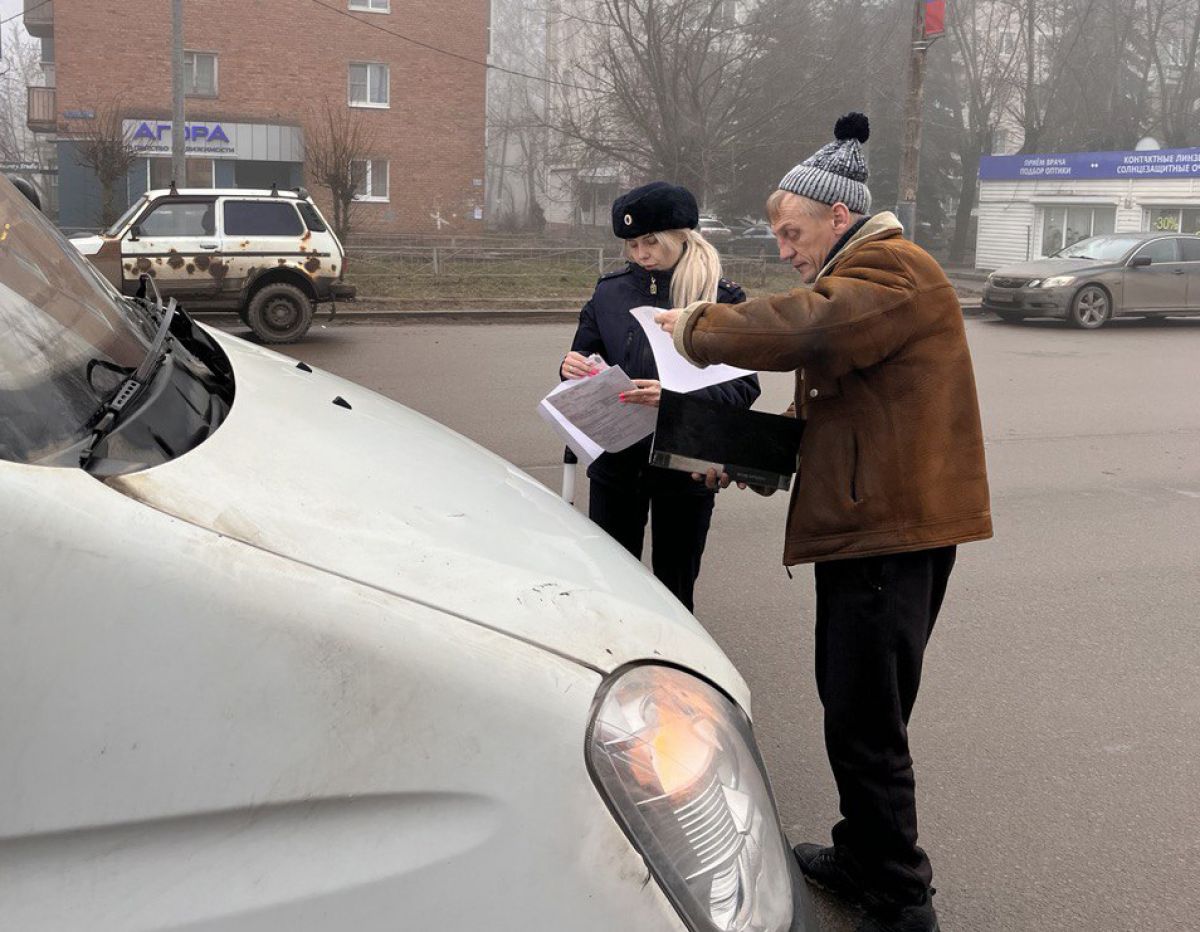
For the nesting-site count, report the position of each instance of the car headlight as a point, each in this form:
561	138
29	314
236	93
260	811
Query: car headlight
1058	281
677	763
1036	283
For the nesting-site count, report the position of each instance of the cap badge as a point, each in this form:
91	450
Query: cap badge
628	220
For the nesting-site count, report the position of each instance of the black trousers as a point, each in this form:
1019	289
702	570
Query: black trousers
678	527
874	618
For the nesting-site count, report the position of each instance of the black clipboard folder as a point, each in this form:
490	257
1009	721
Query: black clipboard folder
695	435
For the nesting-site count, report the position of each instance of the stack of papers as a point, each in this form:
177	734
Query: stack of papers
591	418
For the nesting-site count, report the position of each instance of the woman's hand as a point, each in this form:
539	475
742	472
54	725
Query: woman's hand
576	366
648	392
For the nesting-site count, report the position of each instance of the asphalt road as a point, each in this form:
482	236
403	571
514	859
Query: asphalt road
1057	737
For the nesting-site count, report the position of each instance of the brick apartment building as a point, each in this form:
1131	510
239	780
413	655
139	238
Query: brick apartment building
256	72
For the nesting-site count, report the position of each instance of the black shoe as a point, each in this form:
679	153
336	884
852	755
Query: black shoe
833	871
916	918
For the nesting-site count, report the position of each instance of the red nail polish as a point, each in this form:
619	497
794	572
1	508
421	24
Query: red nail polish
622	396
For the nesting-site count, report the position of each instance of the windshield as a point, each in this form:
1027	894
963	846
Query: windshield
1103	248
56	317
125	217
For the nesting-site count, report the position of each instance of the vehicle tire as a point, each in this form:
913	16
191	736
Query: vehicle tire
279	313
1091	308
1009	317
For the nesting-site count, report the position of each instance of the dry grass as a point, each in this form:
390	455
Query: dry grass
505	280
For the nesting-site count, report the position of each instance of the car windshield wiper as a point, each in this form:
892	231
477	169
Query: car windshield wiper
108	413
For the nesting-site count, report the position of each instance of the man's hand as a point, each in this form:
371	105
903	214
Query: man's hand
667	319
713	481
576	366
648	392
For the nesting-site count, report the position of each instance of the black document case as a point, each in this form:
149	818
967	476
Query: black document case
694	435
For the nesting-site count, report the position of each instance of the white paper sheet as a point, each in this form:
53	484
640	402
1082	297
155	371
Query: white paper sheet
674	372
590	417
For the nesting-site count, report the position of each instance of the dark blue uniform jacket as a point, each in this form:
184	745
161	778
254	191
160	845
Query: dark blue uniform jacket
606	327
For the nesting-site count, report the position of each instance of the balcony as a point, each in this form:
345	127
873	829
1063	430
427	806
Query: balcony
43	110
39	18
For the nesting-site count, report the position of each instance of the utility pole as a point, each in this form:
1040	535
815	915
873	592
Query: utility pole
910	158
178	157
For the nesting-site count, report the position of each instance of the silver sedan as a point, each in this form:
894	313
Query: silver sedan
1092	281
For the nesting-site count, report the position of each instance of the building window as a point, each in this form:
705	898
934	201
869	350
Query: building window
261	218
370	179
200	74
372	6
1066	226
199	174
1174	220
368	85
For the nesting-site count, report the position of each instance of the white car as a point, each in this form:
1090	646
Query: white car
269	255
279	653
714	230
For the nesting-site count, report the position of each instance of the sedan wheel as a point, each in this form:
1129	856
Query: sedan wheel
1091	308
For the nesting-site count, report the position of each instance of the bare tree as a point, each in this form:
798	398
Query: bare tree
1173	27
517	101
104	145
669	87
335	138
20	69
989	63
1056	40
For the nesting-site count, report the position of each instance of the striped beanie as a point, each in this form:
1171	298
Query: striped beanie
836	172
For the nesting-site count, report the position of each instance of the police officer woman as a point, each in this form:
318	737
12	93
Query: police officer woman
670	265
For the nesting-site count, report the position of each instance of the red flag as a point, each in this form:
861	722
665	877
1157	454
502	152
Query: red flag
935	18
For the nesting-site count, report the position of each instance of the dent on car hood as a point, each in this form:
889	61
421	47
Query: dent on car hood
386	497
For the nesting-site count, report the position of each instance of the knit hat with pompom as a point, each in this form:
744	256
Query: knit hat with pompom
836	173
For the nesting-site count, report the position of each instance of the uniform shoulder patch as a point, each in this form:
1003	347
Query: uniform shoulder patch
617	274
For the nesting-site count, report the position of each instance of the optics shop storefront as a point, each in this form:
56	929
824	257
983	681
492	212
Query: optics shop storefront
1031	206
219	155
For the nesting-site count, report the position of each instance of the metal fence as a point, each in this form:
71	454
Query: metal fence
569	265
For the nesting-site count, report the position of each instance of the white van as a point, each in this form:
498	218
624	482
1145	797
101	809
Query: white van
278	653
269	255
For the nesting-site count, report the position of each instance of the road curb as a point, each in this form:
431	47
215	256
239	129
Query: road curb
437	315
448	315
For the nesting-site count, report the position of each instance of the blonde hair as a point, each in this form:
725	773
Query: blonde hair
698	271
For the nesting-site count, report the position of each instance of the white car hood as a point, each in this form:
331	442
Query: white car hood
389	498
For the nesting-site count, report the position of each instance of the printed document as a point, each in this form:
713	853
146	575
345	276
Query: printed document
591	418
674	372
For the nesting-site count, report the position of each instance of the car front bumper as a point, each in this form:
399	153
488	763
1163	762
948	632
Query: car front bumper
1031	302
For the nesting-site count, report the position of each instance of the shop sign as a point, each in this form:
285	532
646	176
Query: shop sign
153	137
1092	166
220	139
